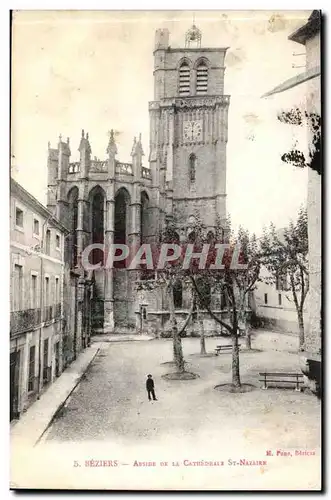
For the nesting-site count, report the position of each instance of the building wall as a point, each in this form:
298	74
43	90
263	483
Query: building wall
35	314
313	336
166	180
279	313
171	148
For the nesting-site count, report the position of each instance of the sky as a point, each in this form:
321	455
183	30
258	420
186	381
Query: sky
93	70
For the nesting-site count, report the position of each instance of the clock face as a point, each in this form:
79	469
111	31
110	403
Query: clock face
192	130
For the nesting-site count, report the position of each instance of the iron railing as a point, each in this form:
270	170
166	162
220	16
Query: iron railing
52	312
21	321
27	319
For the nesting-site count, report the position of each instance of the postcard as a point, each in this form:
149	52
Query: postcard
165	250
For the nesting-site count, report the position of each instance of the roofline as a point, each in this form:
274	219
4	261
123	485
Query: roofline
308	30
192	49
294	81
17	189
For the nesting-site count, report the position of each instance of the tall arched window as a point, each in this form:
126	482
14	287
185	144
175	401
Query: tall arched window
178	294
202	79
72	222
144	223
192	165
184	79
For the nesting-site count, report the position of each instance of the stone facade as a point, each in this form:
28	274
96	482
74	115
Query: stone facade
309	36
107	201
49	304
274	306
313	338
36	298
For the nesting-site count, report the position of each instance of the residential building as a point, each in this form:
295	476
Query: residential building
308	35
274	306
50	319
36	297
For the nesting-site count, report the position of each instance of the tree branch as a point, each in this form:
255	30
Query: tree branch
202	299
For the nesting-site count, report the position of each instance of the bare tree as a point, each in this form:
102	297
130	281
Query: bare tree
287	256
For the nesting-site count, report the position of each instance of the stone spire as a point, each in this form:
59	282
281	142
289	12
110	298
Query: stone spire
84	144
85	155
112	148
137	148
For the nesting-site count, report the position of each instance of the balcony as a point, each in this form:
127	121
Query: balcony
52	312
22	321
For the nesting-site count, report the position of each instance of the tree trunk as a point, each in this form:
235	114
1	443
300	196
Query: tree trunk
301	330
177	341
235	358
248	340
202	332
202	339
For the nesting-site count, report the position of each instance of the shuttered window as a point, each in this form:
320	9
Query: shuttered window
202	79
31	380
184	80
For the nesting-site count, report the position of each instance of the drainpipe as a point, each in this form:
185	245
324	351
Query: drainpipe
41	304
76	318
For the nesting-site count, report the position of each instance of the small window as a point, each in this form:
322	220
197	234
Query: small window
36	226
279	299
266	298
48	241
192	164
33	291
58	241
144	313
18	287
47	297
57	290
19	217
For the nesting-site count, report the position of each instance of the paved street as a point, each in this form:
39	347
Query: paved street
111	401
109	417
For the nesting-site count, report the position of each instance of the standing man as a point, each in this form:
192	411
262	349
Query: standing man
150	387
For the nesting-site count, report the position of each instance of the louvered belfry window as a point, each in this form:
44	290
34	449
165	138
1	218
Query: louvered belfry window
202	79
184	80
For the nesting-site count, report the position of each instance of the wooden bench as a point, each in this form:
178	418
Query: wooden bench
281	377
224	347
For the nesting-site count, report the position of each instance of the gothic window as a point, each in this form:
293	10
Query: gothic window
192	165
72	221
202	79
191	237
210	237
144	217
205	292
184	80
97	201
178	295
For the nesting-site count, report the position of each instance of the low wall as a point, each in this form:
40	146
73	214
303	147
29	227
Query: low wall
280	325
158	323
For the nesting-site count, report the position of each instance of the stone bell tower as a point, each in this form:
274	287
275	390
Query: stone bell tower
189	130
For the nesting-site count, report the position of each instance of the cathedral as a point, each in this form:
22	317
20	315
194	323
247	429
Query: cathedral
108	201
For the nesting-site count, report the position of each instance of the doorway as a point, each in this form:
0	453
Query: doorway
14	384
